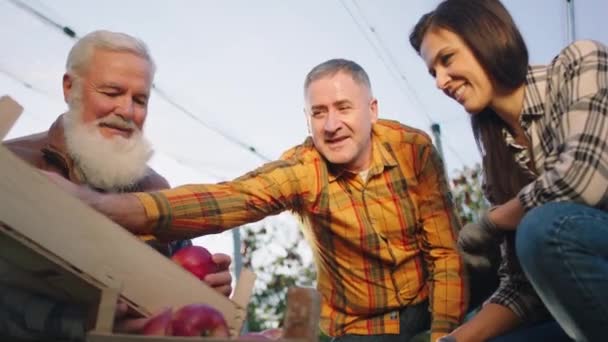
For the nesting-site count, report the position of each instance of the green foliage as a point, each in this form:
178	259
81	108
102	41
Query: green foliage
468	194
280	263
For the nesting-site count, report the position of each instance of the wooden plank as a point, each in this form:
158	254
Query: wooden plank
242	294
107	309
9	113
104	251
302	315
26	265
99	337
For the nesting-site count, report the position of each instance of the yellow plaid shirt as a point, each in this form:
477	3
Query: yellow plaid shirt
379	244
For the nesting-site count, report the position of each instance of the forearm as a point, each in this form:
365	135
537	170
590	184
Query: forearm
124	209
491	321
508	215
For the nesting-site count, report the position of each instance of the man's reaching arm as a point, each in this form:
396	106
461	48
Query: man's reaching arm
124	209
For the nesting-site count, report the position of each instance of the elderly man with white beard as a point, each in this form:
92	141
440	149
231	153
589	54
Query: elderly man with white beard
98	142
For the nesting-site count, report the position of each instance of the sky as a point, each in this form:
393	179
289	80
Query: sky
230	73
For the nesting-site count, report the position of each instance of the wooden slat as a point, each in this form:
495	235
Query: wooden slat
9	112
89	242
302	314
242	294
99	337
26	265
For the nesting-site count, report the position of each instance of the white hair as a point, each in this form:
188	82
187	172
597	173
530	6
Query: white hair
81	53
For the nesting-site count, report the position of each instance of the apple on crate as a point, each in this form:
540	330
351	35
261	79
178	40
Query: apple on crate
192	319
189	320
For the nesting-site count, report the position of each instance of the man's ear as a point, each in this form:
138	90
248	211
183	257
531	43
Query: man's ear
307	118
373	107
68	83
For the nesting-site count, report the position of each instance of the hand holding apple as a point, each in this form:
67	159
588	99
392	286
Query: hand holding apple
196	259
221	280
212	269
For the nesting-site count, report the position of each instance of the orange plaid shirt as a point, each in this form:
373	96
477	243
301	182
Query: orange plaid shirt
379	244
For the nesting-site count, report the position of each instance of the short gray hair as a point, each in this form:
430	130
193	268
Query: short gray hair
334	66
81	53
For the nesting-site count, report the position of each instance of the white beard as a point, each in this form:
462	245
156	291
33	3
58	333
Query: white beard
112	164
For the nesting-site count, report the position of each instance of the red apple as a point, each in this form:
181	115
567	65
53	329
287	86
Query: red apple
159	325
199	320
195	259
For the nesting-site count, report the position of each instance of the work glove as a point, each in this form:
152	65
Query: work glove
479	243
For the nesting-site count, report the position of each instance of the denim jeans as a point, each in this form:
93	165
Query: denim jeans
563	249
412	320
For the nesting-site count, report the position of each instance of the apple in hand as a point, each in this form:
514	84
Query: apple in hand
197	260
199	320
159	325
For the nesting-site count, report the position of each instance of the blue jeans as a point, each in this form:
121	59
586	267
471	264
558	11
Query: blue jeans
413	319
563	249
548	331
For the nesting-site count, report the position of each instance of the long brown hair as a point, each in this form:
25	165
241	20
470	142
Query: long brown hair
488	30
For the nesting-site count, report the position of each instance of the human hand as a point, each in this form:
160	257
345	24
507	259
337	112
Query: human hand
80	191
221	280
479	243
125	321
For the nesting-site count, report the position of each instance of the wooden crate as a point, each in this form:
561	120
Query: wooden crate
9	113
53	244
75	238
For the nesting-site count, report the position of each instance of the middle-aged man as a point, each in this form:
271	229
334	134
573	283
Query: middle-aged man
97	142
374	202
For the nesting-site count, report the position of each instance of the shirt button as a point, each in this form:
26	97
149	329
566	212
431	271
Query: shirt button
394	315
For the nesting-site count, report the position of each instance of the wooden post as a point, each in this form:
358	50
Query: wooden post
302	316
9	112
106	309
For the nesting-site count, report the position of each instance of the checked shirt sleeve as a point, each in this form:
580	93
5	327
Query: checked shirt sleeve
194	210
575	136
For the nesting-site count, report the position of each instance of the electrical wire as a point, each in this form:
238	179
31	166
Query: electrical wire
390	62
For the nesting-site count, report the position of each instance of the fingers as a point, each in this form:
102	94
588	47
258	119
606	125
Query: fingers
226	290
222	261
130	325
121	309
220	281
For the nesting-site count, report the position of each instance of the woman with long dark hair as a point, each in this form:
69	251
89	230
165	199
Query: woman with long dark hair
542	133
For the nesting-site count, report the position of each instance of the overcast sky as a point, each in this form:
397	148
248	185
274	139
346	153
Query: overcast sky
236	68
